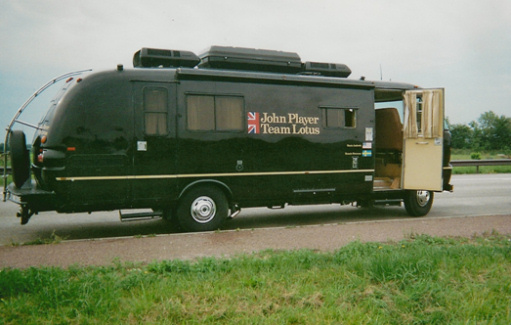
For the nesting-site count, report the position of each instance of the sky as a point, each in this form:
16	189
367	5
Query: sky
460	45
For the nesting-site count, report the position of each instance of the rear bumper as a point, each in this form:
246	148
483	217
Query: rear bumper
31	196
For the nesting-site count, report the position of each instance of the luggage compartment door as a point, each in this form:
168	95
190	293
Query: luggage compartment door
423	139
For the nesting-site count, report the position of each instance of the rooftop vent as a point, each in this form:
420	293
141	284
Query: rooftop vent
239	58
153	58
327	69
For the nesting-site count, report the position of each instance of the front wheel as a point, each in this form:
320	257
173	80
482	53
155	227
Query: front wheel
202	209
418	203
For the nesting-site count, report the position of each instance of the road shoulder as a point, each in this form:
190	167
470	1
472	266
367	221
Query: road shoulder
327	237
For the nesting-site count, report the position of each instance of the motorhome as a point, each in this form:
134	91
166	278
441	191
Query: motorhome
197	138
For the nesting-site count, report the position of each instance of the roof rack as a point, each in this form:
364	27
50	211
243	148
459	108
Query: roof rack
238	58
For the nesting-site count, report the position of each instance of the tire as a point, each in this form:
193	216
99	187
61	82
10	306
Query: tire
20	158
418	203
202	209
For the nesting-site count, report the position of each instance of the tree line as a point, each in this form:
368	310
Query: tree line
489	133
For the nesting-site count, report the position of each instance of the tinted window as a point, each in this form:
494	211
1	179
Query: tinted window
155	111
340	117
214	113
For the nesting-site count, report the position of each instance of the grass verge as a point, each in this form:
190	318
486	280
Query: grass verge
422	280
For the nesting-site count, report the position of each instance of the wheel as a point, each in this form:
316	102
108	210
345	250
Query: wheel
202	209
20	158
418	203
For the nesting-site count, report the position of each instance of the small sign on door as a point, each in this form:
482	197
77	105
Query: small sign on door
141	145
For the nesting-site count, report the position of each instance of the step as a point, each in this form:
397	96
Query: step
136	215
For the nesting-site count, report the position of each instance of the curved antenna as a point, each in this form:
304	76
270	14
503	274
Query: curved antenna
20	111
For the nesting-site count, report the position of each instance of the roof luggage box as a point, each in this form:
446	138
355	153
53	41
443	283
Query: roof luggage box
327	69
154	58
238	58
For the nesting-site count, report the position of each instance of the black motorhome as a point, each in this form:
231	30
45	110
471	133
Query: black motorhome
200	137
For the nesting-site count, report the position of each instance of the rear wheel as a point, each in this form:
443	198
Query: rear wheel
202	209
20	158
418	203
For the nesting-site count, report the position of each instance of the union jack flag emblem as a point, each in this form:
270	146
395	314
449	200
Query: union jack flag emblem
253	123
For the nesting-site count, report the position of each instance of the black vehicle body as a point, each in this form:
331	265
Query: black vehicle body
157	137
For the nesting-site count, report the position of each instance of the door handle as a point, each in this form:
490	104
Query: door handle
422	142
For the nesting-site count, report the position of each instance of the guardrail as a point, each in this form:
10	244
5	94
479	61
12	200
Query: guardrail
454	163
477	163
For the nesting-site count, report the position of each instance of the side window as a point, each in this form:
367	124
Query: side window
423	113
340	117
229	113
155	111
214	113
200	112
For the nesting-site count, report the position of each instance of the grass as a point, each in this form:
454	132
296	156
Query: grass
422	280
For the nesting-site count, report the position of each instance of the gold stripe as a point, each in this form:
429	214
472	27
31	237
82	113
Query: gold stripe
135	177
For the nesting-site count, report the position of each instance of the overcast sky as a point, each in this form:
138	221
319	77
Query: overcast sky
463	46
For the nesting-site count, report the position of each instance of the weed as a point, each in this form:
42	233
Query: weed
53	239
420	280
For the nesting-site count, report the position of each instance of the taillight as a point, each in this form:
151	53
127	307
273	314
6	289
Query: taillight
40	158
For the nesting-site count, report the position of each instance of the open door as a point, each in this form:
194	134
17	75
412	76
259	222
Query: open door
423	139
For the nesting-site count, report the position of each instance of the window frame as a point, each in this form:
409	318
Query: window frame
216	109
156	112
342	111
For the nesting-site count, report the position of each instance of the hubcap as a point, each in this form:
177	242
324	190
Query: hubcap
423	198
203	209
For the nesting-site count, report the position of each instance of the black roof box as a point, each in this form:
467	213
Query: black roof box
153	58
238	58
327	69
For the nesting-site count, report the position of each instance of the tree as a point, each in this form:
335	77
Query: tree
489	132
495	131
461	136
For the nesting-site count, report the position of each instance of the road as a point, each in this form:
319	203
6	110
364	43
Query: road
474	195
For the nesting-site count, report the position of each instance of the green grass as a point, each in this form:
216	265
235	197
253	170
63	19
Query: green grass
422	280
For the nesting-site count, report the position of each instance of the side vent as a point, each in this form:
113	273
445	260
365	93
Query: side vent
154	58
239	58
327	69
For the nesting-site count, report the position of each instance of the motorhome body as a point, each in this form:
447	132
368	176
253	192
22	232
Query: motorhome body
200	141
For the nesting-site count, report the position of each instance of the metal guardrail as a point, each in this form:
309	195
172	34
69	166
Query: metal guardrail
478	163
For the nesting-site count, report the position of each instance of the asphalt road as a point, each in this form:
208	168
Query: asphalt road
474	195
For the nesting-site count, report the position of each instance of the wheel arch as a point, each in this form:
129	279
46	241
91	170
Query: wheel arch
209	182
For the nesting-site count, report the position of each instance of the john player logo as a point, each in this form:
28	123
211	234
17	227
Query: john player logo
290	123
